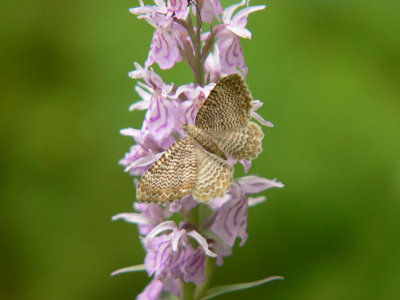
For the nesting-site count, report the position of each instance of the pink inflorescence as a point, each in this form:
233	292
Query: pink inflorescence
176	253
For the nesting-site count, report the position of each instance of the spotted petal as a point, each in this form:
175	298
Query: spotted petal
163	50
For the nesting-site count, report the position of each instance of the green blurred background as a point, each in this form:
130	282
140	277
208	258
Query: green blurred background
329	75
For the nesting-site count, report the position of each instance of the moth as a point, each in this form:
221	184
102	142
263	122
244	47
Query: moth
197	163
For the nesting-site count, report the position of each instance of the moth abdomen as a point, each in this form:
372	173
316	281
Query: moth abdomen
204	139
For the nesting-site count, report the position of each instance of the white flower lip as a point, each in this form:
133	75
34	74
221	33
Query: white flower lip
167	225
143	161
177	235
133	218
202	242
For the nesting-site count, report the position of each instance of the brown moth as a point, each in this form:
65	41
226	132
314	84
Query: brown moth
197	164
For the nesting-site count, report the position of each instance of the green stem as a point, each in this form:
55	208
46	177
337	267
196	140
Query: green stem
187	290
193	215
199	74
195	37
209	273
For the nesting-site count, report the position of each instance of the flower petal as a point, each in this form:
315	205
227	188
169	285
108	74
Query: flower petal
130	132
178	8
176	235
167	225
152	290
256	200
256	104
159	118
246	165
213	65
136	152
231	221
163	50
158	255
133	218
161	5
239	31
193	267
144	162
185	204
231	54
175	206
255	184
240	19
202	242
152	211
216	203
222	250
209	9
228	12
261	119
140	105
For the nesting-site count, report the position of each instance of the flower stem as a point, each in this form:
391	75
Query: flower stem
195	37
187	291
199	74
193	216
209	273
188	288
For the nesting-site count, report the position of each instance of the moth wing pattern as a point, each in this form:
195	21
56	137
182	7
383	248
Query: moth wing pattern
195	164
227	106
241	143
172	176
214	176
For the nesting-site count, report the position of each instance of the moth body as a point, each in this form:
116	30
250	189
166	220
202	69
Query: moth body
197	163
204	139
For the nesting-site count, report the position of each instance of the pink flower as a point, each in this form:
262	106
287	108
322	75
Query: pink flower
183	205
256	105
148	149
231	219
152	80
188	99
213	66
255	184
171	255
178	8
209	9
155	15
155	136
231	210
237	23
163	48
231	54
152	290
167	109
156	286
150	216
137	160
156	99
